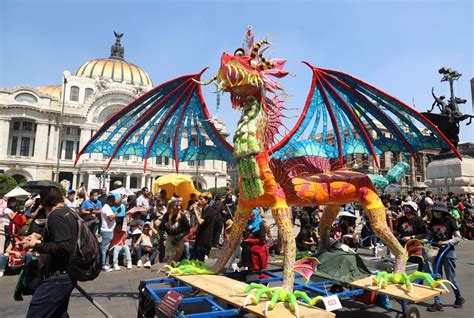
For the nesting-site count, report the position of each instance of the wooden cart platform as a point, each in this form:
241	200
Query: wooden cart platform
221	287
418	293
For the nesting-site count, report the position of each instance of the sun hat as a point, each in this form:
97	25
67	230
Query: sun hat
411	204
439	207
228	224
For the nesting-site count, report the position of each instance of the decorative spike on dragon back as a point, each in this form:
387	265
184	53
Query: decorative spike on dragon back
304	168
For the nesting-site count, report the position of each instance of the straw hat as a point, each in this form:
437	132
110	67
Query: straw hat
228	224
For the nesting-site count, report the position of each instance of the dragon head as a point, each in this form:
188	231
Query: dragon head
246	72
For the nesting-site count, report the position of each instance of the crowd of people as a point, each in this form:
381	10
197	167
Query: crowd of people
147	228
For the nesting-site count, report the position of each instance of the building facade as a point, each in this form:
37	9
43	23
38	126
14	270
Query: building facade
32	138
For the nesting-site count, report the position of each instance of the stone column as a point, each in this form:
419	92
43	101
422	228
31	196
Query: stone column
53	142
143	181
150	182
4	136
41	146
412	172
127	181
74	180
84	138
423	167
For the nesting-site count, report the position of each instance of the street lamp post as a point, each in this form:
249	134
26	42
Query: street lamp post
61	121
215	181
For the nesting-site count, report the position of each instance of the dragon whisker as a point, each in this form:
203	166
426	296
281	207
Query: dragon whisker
212	79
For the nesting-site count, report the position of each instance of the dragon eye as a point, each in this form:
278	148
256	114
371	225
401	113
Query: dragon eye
239	52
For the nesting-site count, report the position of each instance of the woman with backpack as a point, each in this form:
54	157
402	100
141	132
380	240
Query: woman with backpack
51	297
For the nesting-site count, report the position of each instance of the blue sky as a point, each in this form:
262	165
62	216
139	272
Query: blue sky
398	46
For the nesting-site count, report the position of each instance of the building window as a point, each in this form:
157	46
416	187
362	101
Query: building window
192	163
14	146
74	95
88	92
162	161
394	158
22	138
26	97
382	160
69	149
25	146
27	126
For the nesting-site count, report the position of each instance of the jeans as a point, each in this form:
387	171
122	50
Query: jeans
3	262
142	250
51	297
104	246
449	266
187	250
118	249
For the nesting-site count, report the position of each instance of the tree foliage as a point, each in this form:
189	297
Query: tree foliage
7	183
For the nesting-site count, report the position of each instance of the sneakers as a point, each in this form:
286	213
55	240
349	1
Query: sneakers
147	264
139	263
129	265
435	307
459	302
2	273
116	267
105	268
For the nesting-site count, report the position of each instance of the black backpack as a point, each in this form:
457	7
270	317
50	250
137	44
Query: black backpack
86	260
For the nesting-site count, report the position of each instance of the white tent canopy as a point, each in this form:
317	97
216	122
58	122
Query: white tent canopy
122	191
17	192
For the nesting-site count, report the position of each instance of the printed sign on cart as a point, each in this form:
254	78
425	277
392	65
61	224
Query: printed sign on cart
332	303
167	307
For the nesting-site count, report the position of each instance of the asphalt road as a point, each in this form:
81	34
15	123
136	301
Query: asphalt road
117	292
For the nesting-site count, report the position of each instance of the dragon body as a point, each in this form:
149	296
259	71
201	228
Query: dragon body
304	168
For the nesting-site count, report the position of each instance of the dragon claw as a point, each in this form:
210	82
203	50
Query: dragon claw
383	278
246	300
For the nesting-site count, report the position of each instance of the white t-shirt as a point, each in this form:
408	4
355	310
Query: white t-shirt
107	225
143	202
69	204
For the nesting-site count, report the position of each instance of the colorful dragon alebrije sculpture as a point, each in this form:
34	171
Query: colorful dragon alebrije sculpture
305	168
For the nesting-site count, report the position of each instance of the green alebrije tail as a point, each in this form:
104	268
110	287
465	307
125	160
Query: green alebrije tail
253	188
248	167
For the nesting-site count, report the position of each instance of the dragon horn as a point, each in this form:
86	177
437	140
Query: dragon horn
256	47
212	79
266	63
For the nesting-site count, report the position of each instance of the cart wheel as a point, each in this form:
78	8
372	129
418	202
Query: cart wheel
412	312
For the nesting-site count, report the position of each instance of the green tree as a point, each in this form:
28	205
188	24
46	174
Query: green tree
54	183
7	183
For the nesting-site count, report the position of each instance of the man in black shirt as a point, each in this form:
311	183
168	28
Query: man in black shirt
51	297
205	216
443	230
410	226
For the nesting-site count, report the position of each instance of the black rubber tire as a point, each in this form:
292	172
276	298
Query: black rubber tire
412	312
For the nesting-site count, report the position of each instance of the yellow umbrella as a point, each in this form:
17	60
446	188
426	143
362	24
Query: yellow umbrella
176	183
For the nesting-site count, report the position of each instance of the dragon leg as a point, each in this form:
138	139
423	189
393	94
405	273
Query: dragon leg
241	217
328	217
282	216
378	220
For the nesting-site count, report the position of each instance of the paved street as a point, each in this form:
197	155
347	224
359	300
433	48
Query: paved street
118	291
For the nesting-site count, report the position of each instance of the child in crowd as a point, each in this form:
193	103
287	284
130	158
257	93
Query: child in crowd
118	245
144	244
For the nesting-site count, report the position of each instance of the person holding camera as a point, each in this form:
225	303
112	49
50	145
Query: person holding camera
51	297
90	211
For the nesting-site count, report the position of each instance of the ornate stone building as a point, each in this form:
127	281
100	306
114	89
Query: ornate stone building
416	175
30	128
